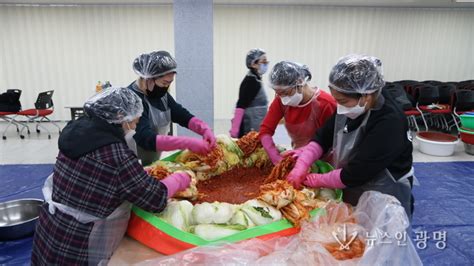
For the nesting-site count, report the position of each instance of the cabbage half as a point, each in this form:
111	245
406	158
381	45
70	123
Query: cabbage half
178	214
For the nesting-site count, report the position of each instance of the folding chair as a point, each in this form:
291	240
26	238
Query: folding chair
443	107
465	85
463	102
9	110
43	107
426	96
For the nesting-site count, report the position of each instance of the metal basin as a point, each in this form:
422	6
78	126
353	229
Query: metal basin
469	148
18	218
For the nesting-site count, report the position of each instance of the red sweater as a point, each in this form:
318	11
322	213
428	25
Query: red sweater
298	114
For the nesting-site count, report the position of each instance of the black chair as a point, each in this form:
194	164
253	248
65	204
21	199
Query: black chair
465	85
425	96
399	95
432	82
463	101
43	107
446	91
408	86
9	107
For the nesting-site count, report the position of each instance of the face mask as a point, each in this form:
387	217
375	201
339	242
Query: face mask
157	92
293	100
131	141
262	68
351	112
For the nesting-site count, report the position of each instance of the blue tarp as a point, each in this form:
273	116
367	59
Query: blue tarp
444	203
20	181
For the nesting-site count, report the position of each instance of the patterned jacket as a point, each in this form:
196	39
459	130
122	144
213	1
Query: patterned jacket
95	183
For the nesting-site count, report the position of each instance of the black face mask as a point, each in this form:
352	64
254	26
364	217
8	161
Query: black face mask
157	92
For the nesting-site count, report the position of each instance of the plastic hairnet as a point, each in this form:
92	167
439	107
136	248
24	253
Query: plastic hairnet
154	64
306	72
286	74
253	56
357	74
115	105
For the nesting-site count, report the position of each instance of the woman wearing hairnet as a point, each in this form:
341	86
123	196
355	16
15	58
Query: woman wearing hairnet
156	71
252	103
95	180
304	108
369	137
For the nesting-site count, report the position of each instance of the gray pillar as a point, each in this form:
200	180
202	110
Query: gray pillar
193	34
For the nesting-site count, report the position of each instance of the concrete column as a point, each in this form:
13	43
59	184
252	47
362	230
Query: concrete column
193	40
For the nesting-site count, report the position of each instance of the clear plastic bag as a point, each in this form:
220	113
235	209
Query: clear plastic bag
377	219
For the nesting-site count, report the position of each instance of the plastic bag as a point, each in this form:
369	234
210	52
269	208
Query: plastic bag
377	219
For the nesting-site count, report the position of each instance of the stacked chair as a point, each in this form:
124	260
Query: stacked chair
43	108
437	104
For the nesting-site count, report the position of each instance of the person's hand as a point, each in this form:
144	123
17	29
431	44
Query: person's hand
328	180
236	121
176	182
270	148
305	157
296	176
293	153
209	137
201	128
170	143
195	145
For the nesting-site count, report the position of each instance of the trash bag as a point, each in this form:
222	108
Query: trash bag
372	233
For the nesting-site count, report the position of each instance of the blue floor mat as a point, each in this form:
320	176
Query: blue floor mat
444	203
20	181
23	180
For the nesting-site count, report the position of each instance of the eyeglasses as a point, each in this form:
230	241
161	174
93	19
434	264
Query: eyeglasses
282	91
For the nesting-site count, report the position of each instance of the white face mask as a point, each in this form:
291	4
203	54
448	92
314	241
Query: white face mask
293	100
351	112
262	68
130	141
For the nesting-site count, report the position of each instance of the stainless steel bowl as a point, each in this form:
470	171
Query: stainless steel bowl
18	218
469	148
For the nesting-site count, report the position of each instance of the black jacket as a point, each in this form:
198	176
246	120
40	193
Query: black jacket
386	143
87	134
145	136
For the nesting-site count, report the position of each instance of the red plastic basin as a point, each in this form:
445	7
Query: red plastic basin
436	136
467	136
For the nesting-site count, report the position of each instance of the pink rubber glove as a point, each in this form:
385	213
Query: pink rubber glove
269	146
176	182
170	143
305	157
236	121
328	180
201	128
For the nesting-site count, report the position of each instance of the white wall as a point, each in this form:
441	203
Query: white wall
69	49
417	44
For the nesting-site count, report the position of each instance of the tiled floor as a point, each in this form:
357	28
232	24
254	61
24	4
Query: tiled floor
37	148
